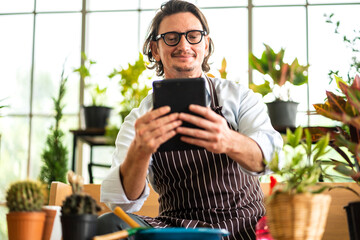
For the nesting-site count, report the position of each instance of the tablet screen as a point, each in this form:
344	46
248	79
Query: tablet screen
179	94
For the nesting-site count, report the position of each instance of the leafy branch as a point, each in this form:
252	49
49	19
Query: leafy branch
353	43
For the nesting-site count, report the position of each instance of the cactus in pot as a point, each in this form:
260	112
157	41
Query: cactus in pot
79	212
25	196
25	218
78	203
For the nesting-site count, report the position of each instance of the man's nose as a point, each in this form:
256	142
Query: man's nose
183	42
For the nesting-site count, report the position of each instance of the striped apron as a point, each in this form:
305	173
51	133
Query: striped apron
198	188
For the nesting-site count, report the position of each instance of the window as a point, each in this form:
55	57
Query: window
38	38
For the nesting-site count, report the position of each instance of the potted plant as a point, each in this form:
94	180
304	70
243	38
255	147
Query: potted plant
25	200
97	114
346	109
296	209
283	109
55	154
132	88
79	212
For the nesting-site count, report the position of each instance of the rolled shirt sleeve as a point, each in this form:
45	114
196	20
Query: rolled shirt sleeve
112	193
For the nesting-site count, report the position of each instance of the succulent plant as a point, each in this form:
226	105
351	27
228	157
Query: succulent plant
78	202
25	196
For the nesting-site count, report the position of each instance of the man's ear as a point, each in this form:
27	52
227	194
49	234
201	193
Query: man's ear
207	40
155	50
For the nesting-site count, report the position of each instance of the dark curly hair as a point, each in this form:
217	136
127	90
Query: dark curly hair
167	9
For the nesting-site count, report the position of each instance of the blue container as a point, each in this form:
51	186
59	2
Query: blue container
181	233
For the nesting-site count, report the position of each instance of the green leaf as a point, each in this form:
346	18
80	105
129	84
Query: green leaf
308	145
274	163
343	169
293	139
263	89
320	146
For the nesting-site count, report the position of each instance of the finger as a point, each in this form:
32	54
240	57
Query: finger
154	114
163	138
163	129
195	133
208	145
206	112
162	121
198	121
193	141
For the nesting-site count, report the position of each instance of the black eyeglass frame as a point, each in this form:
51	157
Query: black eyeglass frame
203	33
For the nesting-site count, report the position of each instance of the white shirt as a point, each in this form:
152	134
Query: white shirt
241	107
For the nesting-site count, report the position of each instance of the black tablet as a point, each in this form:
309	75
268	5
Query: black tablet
179	94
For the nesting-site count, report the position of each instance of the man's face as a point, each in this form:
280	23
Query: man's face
183	60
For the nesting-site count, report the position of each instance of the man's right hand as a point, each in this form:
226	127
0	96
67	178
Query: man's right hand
151	130
155	128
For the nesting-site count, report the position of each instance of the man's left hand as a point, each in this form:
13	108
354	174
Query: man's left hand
215	135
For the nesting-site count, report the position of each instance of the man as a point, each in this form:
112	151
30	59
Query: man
216	187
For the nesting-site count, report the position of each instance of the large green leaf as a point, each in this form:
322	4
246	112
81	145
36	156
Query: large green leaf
263	89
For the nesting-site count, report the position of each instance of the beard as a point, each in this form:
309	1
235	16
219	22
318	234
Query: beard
184	69
187	68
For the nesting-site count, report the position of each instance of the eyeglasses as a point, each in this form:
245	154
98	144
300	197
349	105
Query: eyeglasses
173	38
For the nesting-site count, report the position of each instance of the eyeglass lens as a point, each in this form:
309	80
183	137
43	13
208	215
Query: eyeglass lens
173	38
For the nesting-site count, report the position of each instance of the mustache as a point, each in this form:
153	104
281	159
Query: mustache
183	53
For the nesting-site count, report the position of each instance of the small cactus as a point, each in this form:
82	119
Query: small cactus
25	196
78	202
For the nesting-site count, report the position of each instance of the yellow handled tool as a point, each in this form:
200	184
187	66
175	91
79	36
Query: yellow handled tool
121	214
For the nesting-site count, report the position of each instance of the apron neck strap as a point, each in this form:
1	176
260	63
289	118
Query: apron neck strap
214	99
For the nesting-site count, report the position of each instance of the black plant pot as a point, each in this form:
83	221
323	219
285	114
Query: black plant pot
96	116
282	114
353	218
79	227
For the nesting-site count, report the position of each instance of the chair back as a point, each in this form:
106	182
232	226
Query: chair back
59	191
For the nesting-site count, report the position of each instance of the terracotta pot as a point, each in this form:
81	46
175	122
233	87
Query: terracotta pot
49	222
21	225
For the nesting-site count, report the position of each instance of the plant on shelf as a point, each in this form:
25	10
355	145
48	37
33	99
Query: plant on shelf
79	212
55	153
96	114
25	200
351	42
298	197
283	76
346	109
133	89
